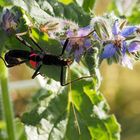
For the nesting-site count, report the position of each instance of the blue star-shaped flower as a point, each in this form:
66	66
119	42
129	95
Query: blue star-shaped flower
119	40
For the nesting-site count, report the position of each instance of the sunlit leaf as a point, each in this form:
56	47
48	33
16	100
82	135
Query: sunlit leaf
2	124
71	11
66	1
81	113
31	7
5	2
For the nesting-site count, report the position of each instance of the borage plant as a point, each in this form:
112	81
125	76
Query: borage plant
77	111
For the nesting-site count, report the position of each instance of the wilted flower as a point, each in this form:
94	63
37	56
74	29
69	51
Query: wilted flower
118	44
79	42
9	22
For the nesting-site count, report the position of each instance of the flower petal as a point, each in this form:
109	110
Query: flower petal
134	47
115	28
84	31
78	53
124	47
69	33
127	62
128	31
87	43
109	51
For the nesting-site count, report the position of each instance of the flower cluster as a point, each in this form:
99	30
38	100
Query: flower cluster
121	44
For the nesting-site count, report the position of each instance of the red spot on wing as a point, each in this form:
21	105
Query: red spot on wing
33	62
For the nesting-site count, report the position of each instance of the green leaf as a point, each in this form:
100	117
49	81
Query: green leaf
2	124
134	17
40	95
66	1
88	5
20	133
2	40
49	45
5	2
32	8
80	113
71	11
35	119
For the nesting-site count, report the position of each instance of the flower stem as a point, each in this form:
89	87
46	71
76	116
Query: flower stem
6	102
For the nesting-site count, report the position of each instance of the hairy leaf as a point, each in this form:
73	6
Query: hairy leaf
80	113
31	7
71	11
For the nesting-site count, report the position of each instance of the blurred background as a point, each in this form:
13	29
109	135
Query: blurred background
120	86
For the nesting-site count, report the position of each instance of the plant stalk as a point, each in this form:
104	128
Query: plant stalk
6	103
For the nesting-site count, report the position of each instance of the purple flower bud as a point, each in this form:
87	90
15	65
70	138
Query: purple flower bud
9	22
